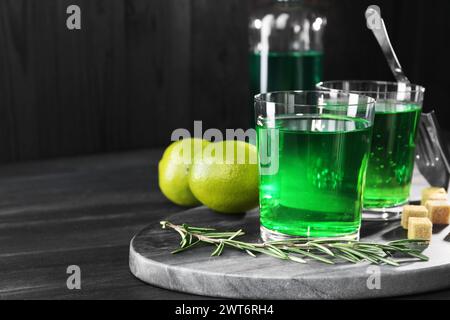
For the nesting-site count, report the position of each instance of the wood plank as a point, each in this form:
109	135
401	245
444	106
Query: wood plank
81	211
158	61
139	69
219	65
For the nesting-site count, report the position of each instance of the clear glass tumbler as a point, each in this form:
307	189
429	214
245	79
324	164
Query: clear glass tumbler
391	163
313	154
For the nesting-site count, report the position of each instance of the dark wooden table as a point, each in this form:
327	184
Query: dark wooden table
81	211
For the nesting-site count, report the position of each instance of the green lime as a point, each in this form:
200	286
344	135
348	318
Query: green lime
174	167
226	179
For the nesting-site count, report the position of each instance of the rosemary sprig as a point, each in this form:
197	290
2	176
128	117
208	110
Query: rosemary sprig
297	250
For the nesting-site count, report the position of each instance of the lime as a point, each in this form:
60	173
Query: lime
174	167
225	179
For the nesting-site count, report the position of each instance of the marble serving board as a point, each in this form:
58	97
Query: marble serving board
238	275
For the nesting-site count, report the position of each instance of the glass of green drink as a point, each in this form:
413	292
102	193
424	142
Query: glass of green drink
391	163
313	153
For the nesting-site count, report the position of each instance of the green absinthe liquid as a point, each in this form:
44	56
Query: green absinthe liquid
299	70
391	161
317	189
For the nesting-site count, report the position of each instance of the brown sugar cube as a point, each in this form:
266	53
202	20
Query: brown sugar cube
439	211
420	229
427	192
413	211
438	196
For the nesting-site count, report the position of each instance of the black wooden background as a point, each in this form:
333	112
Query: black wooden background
140	68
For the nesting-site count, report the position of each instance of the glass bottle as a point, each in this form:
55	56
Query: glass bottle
286	47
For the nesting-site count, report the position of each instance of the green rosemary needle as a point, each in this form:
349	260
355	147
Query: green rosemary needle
297	250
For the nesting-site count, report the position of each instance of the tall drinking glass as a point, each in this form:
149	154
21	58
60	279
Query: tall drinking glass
313	153
391	163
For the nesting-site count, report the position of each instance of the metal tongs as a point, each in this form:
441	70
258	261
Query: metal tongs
432	154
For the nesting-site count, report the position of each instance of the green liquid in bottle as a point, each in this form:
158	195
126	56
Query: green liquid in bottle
317	189
285	71
391	161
